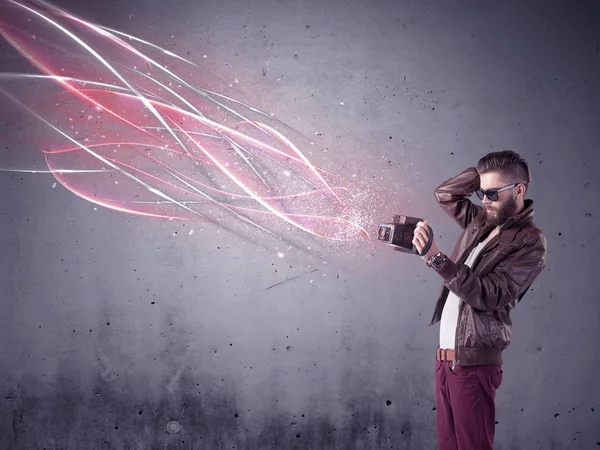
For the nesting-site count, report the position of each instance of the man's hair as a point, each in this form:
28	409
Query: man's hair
511	167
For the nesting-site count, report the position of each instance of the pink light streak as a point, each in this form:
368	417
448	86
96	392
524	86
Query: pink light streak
157	145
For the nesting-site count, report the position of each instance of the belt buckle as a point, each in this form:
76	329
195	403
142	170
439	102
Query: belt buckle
443	354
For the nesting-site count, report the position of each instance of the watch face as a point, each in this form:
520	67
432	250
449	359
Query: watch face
437	261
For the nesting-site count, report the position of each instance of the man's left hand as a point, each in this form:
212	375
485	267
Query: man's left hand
421	238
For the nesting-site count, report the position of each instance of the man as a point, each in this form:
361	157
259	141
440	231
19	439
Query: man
498	256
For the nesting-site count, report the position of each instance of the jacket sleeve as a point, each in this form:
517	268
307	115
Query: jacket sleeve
452	195
505	283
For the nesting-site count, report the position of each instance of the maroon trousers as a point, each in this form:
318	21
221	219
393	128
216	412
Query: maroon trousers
465	399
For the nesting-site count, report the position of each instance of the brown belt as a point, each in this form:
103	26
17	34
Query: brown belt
444	354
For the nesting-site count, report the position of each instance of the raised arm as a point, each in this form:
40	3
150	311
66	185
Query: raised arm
452	195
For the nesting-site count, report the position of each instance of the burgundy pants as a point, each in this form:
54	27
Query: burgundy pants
465	399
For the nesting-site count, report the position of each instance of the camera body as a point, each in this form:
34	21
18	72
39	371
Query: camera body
400	233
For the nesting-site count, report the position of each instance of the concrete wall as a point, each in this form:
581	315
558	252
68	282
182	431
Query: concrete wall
114	325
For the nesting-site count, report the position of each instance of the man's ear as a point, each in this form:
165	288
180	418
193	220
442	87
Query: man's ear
523	188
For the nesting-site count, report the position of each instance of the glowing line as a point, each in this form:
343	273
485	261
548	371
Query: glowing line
238	150
55	170
59	78
195	133
148	93
164	86
165	51
119	143
244	197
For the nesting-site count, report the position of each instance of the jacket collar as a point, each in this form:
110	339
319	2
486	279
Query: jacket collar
522	218
513	224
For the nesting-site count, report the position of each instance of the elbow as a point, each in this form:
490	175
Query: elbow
440	195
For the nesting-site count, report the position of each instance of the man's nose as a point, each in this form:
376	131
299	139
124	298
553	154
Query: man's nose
486	200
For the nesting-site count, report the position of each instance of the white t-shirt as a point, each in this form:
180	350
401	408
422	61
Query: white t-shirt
449	319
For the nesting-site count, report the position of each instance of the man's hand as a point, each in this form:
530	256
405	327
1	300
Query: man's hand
421	238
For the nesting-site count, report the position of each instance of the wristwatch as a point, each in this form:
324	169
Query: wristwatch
437	261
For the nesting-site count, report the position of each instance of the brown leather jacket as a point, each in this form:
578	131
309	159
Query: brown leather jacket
499	277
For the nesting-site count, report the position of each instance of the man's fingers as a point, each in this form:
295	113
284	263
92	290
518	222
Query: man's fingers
417	233
421	235
422	232
419	241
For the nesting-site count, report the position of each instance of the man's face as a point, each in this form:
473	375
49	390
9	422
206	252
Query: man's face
506	206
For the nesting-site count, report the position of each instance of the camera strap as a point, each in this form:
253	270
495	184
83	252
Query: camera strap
429	242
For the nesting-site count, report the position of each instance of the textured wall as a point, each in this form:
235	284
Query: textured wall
113	325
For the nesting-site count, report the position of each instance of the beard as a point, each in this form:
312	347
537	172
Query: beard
498	215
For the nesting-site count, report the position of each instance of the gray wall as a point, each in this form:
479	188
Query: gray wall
340	357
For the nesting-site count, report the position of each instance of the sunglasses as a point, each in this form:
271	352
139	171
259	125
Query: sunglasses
492	194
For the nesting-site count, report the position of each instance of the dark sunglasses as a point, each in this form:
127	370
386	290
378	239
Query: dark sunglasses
492	194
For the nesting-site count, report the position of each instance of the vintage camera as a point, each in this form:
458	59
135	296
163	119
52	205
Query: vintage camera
400	233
